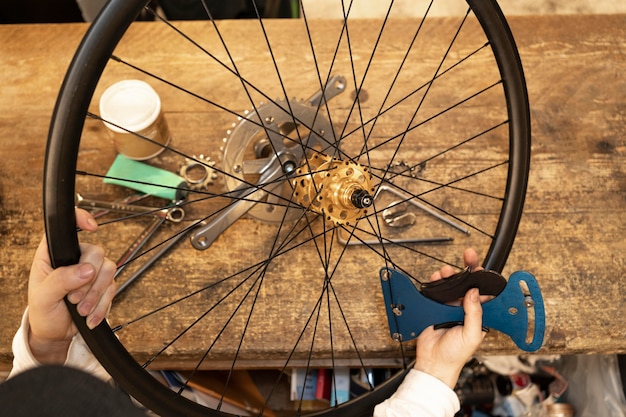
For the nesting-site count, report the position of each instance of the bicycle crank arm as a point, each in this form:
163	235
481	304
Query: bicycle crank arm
409	312
247	198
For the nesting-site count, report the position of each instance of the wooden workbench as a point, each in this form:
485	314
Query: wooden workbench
572	232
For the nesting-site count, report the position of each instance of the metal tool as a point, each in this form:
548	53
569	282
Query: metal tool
131	199
409	312
174	213
395	215
382	240
246	198
138	243
390	218
414	201
162	250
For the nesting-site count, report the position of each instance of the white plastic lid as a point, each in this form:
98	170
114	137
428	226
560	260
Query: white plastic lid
131	104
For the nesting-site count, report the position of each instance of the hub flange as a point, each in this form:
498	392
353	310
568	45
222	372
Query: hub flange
340	190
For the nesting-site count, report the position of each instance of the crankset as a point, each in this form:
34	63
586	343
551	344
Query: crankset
517	309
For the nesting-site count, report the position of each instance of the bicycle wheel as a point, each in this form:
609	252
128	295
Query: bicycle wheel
327	149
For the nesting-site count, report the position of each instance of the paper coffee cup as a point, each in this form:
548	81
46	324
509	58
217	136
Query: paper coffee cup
131	110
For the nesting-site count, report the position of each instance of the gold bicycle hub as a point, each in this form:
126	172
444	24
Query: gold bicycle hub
340	190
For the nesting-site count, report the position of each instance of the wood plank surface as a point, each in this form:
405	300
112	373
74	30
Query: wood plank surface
571	235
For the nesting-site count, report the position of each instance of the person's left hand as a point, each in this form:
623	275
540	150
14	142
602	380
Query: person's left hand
88	284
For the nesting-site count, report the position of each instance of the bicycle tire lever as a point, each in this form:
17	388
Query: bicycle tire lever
409	312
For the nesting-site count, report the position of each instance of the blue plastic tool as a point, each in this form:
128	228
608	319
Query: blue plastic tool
409	312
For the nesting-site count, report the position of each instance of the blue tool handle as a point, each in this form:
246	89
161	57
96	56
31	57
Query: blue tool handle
409	312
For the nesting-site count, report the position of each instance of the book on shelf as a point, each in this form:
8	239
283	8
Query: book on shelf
323	385
303	384
340	386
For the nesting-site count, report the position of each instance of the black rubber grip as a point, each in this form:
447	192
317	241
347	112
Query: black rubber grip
451	289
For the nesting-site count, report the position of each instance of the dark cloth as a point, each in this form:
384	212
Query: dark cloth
39	11
57	391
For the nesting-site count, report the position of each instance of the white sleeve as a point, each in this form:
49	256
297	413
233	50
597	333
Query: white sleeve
420	394
78	355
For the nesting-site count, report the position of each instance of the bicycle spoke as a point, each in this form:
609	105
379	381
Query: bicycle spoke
330	148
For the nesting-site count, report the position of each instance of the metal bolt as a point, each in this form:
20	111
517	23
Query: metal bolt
289	167
529	302
397	309
362	199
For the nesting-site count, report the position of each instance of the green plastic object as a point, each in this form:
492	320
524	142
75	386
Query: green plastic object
146	179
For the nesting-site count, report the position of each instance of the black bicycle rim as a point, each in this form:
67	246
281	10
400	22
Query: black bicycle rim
59	190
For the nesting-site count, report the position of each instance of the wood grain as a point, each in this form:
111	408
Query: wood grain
571	235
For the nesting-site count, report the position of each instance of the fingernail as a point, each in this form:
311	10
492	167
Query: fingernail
93	321
85	271
475	295
75	296
84	308
93	224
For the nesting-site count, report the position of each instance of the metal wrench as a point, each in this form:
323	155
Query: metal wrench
409	199
162	250
174	213
126	200
138	243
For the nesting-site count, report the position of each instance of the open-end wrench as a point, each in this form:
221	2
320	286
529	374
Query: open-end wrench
126	200
138	243
414	201
406	198
162	249
174	213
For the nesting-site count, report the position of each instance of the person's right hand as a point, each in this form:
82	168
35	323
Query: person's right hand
88	284
442	353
